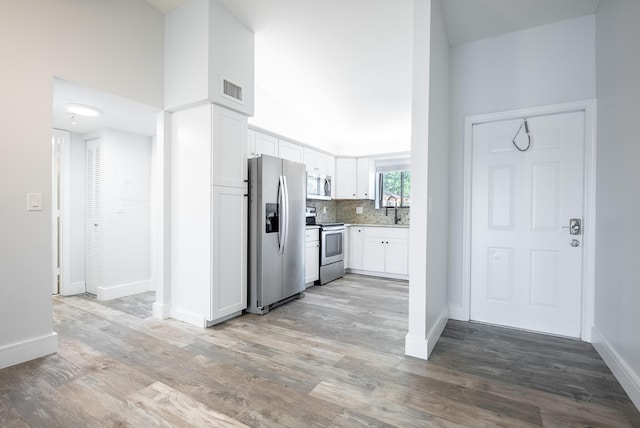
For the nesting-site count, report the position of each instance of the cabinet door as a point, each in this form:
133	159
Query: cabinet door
290	151
396	256
366	180
310	160
229	148
228	251
346	177
322	163
251	143
356	240
373	254
312	262
266	145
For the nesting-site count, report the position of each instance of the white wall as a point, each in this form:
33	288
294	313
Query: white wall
616	334
545	65
429	146
127	216
416	339
77	183
115	46
438	181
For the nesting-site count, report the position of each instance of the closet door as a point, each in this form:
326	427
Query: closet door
93	217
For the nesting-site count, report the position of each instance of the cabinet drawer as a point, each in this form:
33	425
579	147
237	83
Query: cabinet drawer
386	232
313	235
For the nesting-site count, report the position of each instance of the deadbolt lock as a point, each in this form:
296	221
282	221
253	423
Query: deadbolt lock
575	226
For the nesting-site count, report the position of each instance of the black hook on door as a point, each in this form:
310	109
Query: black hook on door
526	130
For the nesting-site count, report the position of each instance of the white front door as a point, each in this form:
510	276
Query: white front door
525	273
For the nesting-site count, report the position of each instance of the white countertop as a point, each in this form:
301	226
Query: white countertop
377	225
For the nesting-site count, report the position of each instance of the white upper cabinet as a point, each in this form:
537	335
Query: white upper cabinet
229	148
317	162
355	178
290	151
366	179
262	144
346	176
209	56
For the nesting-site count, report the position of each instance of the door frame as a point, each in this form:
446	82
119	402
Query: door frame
589	180
61	157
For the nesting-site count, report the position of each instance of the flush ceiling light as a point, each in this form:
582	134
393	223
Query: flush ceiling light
83	110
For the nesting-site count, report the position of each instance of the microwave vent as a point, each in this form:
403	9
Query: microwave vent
232	90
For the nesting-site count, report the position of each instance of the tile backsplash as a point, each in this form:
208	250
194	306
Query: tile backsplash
345	211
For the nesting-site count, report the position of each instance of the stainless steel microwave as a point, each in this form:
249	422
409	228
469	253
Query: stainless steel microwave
318	186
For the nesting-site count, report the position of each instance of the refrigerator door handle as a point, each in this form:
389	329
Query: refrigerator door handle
281	215
285	221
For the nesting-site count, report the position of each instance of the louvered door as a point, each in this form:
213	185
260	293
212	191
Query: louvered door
94	217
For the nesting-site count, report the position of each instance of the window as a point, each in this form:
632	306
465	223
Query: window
394	185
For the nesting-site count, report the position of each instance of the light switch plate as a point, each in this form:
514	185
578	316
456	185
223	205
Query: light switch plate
34	201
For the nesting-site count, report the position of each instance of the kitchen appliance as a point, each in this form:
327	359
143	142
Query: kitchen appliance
310	215
318	186
276	232
331	251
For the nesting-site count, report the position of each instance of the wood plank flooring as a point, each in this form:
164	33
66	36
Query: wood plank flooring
333	358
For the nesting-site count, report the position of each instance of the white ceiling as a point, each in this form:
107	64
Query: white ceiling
335	74
469	20
117	112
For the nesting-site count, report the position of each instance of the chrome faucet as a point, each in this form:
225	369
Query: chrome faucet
395	209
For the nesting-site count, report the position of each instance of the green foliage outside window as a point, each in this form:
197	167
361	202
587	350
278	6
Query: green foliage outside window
395	184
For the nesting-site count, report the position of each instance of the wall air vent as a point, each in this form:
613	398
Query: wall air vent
232	90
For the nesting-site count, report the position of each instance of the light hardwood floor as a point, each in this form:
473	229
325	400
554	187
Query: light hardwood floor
334	358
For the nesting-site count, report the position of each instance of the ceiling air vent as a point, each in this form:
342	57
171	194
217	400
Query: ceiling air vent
231	90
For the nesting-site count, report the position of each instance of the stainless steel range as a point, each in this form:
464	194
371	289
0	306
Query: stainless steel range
331	251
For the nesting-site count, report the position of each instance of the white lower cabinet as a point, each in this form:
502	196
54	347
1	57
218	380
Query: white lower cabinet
228	251
312	256
382	251
356	239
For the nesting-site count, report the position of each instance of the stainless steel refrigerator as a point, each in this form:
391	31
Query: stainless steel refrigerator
277	199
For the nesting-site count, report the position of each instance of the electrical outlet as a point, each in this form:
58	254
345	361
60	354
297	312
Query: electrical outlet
358	210
324	210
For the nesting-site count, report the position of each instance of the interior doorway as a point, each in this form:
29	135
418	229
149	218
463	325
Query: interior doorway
129	130
525	171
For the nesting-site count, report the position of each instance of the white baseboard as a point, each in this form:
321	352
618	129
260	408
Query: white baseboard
421	347
189	317
415	346
457	312
74	288
161	311
378	274
436	331
626	376
122	290
31	349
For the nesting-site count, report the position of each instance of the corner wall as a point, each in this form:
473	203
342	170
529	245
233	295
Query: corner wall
617	286
115	46
429	181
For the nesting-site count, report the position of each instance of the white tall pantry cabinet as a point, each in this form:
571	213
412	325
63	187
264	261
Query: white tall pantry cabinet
209	214
209	63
